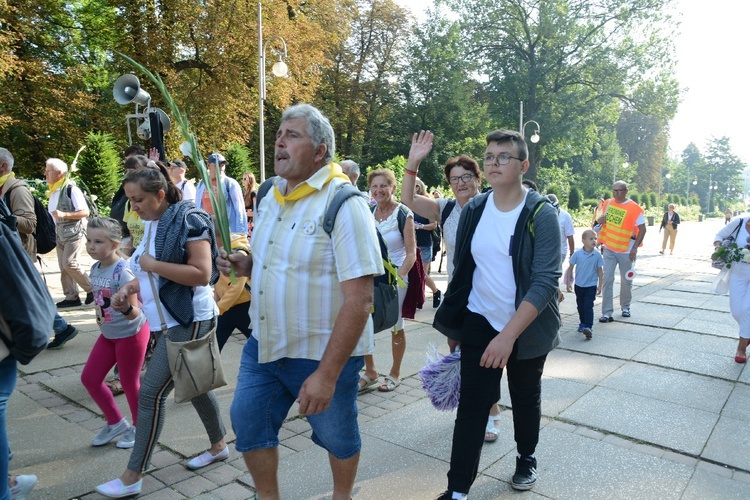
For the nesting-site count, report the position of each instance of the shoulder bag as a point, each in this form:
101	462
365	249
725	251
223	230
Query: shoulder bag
195	364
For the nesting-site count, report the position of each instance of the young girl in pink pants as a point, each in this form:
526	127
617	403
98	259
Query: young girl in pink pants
124	336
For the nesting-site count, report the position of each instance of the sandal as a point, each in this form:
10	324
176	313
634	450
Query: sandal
115	386
368	383
491	433
390	384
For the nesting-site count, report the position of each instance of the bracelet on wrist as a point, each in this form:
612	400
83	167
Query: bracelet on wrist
410	172
129	310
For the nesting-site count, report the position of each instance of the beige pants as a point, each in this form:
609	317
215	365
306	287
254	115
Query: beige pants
71	274
669	233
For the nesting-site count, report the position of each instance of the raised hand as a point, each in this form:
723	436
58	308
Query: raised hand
421	145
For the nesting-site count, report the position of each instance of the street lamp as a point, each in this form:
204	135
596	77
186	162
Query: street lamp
625	164
279	69
522	127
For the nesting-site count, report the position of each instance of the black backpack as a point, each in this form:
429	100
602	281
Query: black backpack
385	308
46	239
26	307
7	217
93	209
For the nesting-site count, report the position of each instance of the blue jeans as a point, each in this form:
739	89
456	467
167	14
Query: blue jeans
585	296
59	324
266	391
8	373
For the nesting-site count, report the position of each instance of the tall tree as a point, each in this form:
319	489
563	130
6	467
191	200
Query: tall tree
359	91
568	60
42	98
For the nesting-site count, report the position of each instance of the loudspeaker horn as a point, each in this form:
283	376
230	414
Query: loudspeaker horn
128	89
144	129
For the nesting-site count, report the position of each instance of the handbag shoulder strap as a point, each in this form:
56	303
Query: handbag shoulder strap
153	286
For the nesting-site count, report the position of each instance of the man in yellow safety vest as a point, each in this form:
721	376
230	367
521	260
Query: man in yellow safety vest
623	228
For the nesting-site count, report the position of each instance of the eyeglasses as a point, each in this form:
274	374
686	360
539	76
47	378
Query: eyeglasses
501	159
465	178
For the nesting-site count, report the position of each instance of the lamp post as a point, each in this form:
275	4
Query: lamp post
668	176
625	164
279	69
522	127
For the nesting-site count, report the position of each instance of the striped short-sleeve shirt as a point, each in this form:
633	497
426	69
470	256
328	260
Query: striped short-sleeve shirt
298	269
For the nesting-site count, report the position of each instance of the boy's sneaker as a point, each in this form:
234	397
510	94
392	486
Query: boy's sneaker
63	337
580	327
587	333
525	476
127	440
24	485
626	313
109	432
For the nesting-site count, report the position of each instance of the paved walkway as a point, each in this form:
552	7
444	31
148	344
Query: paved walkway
653	406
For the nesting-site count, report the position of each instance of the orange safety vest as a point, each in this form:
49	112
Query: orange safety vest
620	226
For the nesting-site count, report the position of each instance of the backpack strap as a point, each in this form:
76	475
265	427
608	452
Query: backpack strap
736	232
263	191
343	193
537	208
401	217
447	209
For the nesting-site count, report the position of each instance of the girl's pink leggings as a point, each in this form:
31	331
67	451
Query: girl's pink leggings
128	354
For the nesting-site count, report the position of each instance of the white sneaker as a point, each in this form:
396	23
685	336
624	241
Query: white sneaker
109	432
24	485
127	440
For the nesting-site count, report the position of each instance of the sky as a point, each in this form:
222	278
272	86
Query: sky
710	68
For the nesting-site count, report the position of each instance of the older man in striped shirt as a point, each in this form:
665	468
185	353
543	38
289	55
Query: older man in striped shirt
310	313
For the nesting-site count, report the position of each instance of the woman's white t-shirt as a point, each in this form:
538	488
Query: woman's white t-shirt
204	306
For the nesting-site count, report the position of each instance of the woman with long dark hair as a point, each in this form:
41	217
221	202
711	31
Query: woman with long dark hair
176	257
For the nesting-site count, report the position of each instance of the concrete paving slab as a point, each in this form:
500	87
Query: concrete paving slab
653	310
705	484
576	467
718	303
703	354
736	405
76	353
607	341
688	389
579	367
717	323
669	296
57	451
729	443
557	395
663	423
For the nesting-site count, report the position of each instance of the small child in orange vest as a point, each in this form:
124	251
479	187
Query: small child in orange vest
233	299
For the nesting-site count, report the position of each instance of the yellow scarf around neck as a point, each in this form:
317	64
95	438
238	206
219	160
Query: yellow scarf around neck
9	175
57	185
304	189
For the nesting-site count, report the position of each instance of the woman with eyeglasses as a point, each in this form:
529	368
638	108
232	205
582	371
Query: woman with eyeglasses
738	231
465	178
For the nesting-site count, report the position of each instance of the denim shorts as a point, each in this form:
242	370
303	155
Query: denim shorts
266	391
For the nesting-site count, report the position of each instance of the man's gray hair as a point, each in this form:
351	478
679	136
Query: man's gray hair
6	157
353	167
318	127
58	165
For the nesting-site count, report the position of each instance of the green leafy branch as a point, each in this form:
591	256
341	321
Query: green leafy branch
218	201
